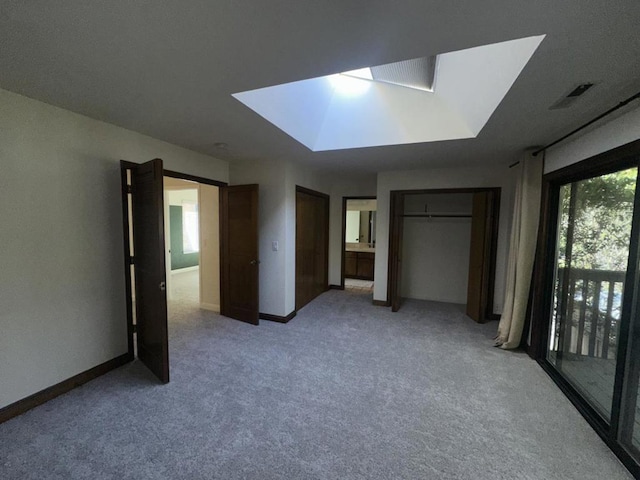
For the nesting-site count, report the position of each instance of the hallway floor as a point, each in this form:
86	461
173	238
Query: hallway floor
358	285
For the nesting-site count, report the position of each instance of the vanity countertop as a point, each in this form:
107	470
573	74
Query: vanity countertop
361	249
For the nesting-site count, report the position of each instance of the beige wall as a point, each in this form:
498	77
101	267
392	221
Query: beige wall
209	205
62	257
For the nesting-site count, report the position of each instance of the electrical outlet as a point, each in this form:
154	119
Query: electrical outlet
275	246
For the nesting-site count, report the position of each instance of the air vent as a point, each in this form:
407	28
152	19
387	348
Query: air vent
570	98
580	89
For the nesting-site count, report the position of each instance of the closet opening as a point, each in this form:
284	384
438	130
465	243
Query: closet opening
442	247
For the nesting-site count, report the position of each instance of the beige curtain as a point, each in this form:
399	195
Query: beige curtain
522	249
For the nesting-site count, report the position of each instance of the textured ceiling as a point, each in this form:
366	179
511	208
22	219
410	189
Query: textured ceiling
167	68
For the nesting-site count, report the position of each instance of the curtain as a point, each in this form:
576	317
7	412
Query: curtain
522	249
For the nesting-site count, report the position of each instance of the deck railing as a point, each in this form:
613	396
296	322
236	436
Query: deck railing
589	311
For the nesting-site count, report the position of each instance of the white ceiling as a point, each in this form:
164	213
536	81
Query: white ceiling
168	69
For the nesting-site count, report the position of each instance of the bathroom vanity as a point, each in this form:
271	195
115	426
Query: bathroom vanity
359	262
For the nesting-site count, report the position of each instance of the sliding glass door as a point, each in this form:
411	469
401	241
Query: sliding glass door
592	253
588	294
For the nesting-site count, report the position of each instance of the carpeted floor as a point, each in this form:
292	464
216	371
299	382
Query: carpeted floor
346	390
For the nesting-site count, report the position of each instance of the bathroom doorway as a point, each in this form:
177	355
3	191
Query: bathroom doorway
358	243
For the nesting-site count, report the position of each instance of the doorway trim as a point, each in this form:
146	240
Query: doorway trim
194	178
343	241
396	197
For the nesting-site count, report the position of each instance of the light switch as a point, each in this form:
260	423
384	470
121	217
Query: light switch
274	246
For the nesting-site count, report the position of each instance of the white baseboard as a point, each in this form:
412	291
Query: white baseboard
184	270
210	306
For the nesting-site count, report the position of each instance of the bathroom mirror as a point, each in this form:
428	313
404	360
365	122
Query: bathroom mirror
361	222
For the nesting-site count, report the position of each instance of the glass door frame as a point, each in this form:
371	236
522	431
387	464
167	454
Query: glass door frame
627	360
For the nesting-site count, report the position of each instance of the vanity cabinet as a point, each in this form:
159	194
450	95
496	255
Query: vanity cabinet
359	265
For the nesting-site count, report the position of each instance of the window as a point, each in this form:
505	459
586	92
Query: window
190	227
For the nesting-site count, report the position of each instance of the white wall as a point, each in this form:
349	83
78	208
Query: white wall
61	266
605	137
303	176
361	185
176	197
277	182
270	175
470	177
436	250
277	216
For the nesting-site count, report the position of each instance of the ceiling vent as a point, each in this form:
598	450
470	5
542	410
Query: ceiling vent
570	98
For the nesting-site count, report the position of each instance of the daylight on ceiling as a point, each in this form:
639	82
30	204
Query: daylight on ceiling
433	98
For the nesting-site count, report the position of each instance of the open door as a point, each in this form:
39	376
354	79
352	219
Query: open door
395	250
149	265
480	257
239	252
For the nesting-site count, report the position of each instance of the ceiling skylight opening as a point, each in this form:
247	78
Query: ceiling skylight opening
360	73
349	85
433	98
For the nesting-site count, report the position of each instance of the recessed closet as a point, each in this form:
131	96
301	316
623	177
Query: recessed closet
442	248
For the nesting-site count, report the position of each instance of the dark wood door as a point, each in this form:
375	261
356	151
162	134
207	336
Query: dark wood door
149	267
239	252
312	245
479	257
395	250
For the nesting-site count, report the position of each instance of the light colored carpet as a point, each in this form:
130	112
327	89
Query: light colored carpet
346	390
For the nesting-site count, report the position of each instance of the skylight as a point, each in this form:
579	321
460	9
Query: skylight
433	98
350	85
364	73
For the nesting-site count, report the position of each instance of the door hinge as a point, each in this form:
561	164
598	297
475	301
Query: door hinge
134	328
132	260
129	188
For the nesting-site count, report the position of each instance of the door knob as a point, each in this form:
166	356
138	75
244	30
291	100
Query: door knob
163	286
254	262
